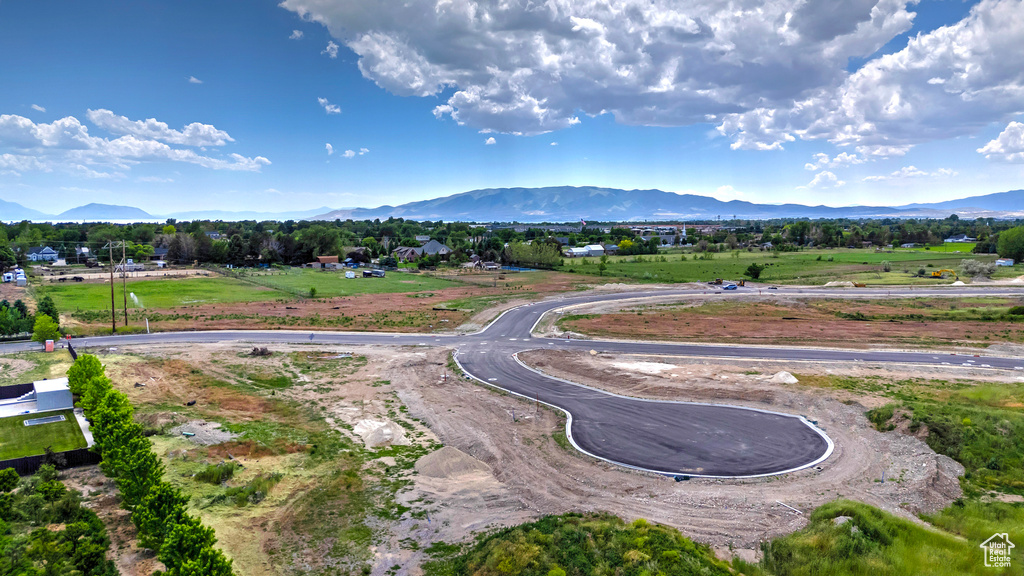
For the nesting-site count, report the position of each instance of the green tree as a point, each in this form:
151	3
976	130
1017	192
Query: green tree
184	542
754	271
7	258
161	509
209	562
46	306
1011	243
52	491
8	479
84	369
45	329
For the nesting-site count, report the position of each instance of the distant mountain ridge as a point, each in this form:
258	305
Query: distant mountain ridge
570	203
558	204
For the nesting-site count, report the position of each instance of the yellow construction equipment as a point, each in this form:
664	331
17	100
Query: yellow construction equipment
939	273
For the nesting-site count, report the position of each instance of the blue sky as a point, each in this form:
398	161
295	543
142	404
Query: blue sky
187	105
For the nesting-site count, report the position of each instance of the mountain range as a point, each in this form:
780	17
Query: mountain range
557	204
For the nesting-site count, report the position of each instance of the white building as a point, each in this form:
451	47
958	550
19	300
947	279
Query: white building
53	395
594	250
1004	262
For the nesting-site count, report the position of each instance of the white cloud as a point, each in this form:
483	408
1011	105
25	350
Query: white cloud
490	141
296	35
154	179
331	50
824	179
66	145
330	108
950	82
38	108
363	151
727	192
912	172
194	80
349	154
1008	146
194	134
554	143
532	67
330	149
843	159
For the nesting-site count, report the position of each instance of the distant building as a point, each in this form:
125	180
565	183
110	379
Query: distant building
422	239
435	248
1004	262
908	245
42	254
960	238
576	252
213	235
594	250
323	262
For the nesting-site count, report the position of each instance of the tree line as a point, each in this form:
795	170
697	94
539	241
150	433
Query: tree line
182	542
297	242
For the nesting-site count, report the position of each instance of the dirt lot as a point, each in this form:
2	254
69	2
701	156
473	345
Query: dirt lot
525	472
789	321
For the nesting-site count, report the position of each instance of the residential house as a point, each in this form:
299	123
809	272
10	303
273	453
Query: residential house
214	235
435	248
406	253
42	254
611	249
159	254
82	253
422	239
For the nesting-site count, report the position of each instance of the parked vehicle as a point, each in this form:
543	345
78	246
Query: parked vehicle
730	287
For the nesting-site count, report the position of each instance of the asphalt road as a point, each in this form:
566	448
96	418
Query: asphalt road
666	437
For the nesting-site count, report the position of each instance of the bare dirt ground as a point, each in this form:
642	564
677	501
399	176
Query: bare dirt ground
103	274
524	472
792	321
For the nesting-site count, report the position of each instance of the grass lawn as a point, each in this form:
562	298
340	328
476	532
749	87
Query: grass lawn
163	293
18	440
332	283
805	267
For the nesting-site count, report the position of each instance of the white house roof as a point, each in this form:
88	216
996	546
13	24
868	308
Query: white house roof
594	247
51	385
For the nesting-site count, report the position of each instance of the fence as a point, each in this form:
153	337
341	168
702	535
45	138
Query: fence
72	459
15	390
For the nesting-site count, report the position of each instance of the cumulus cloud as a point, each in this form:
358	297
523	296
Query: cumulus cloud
194	134
38	108
194	80
330	149
765	72
296	35
949	82
526	67
328	107
911	172
349	154
363	151
66	144
824	179
843	159
554	143
331	50
490	141
1008	146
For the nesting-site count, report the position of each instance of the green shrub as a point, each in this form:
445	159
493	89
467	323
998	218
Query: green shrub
217	473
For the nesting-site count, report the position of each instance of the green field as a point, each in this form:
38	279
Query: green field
174	293
332	283
18	440
805	267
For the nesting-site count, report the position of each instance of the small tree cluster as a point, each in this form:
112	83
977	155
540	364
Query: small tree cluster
977	268
183	544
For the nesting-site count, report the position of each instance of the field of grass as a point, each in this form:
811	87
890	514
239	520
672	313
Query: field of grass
18	440
332	283
805	267
160	294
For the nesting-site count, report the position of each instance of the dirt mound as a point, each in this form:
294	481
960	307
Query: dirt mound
839	284
203	433
449	462
380	432
783	378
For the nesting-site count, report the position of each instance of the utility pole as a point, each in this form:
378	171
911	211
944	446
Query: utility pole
124	281
113	308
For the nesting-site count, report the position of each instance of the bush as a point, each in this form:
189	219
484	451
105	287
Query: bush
217	473
977	268
1016	311
754	271
45	329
